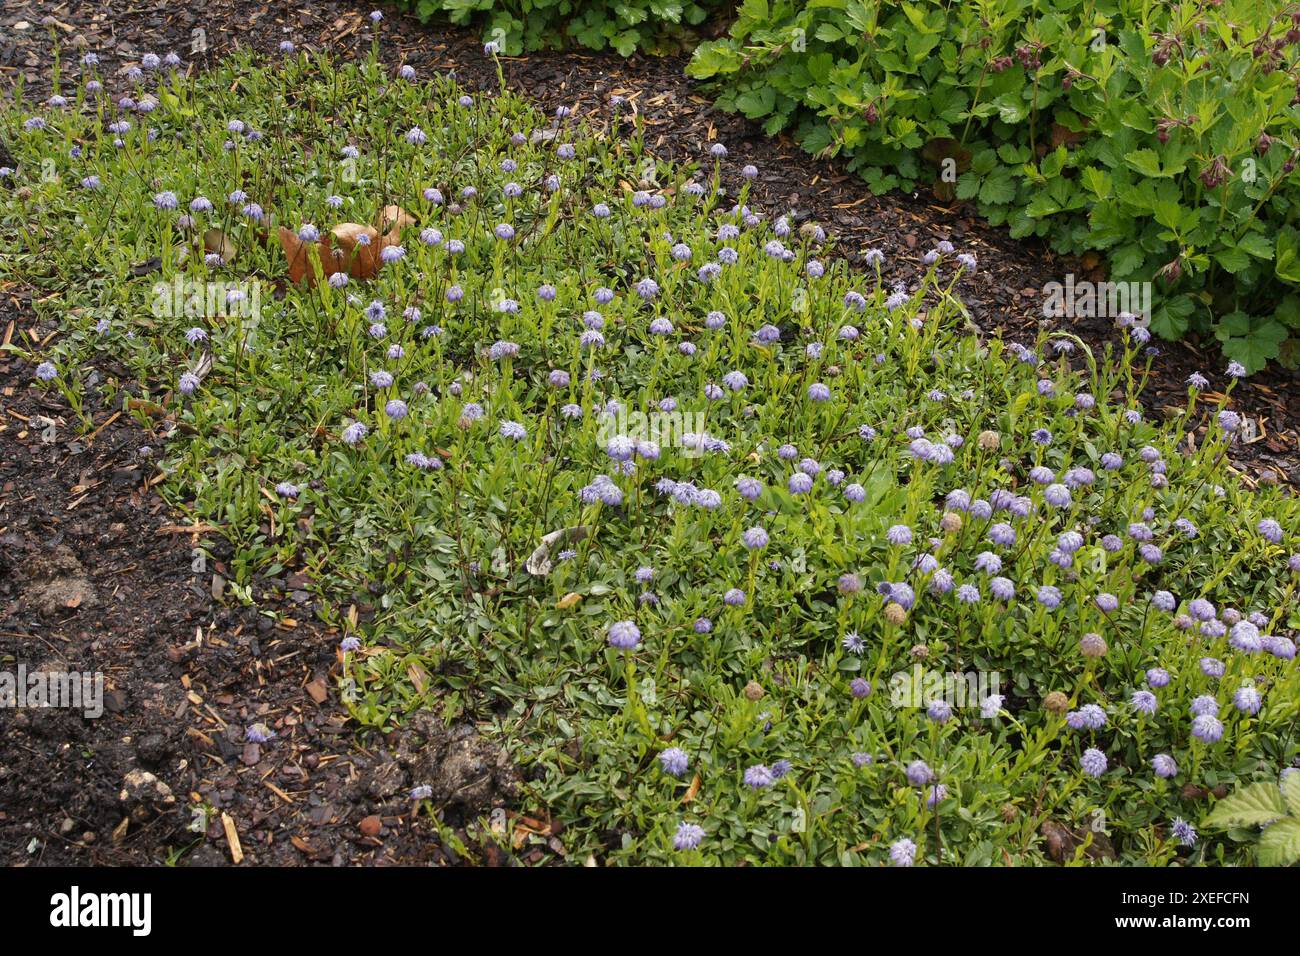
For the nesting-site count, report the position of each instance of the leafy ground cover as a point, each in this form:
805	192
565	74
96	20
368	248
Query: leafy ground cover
1008	292
1162	136
665	497
625	27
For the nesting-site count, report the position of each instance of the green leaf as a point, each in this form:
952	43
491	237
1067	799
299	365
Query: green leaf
984	162
627	41
1146	162
1011	108
1253	805
757	101
1257	245
1042	204
968	187
1126	259
1262	342
1232	259
1287	260
1013	155
1279	845
998	188
1097	181
710	59
1291	793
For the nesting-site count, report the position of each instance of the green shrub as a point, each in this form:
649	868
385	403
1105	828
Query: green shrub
520	25
1160	134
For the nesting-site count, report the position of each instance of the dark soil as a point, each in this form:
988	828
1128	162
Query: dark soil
96	574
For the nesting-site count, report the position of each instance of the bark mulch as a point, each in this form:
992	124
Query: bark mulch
97	573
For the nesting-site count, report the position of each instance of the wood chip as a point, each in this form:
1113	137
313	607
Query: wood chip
232	838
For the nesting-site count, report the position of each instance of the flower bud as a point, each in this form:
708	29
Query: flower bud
1092	645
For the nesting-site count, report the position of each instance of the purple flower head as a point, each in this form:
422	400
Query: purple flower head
1002	589
1003	535
674	761
624	635
688	836
1164	766
1058	496
940	711
902	852
258	733
1143	701
1247	700
758	776
1158	677
1208	728
919	773
1093	762
1184	832
1049	597
899	534
1245	636
1270	530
